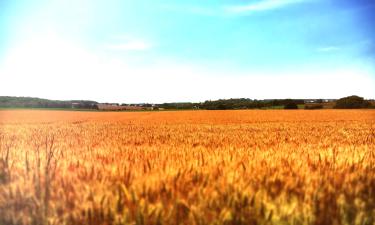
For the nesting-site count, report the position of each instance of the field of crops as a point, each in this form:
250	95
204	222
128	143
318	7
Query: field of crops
187	167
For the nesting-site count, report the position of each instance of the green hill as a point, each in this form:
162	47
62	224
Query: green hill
28	102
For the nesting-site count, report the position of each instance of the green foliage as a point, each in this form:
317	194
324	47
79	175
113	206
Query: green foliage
352	102
245	103
179	105
290	104
233	103
27	102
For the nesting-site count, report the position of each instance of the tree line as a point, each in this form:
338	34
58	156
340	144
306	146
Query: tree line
350	102
27	102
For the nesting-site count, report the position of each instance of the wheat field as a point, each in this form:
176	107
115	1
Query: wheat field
187	167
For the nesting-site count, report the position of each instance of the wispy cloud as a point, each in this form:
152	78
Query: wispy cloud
328	49
126	42
254	6
132	45
262	5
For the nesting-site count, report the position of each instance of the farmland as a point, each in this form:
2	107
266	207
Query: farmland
187	167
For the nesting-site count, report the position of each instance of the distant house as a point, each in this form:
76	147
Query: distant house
318	100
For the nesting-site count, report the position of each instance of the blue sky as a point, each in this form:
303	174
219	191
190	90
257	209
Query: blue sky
165	51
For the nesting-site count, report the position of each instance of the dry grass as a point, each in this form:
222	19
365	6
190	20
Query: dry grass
201	167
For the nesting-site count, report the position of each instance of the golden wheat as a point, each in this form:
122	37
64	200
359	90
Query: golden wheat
189	167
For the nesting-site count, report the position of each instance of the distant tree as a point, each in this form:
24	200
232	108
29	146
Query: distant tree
222	106
352	102
291	105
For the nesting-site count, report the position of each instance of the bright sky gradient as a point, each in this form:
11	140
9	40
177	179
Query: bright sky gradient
174	51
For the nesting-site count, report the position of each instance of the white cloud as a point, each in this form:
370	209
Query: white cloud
262	5
254	6
54	68
132	45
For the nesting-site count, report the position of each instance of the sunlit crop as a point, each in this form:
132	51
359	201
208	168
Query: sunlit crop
189	167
